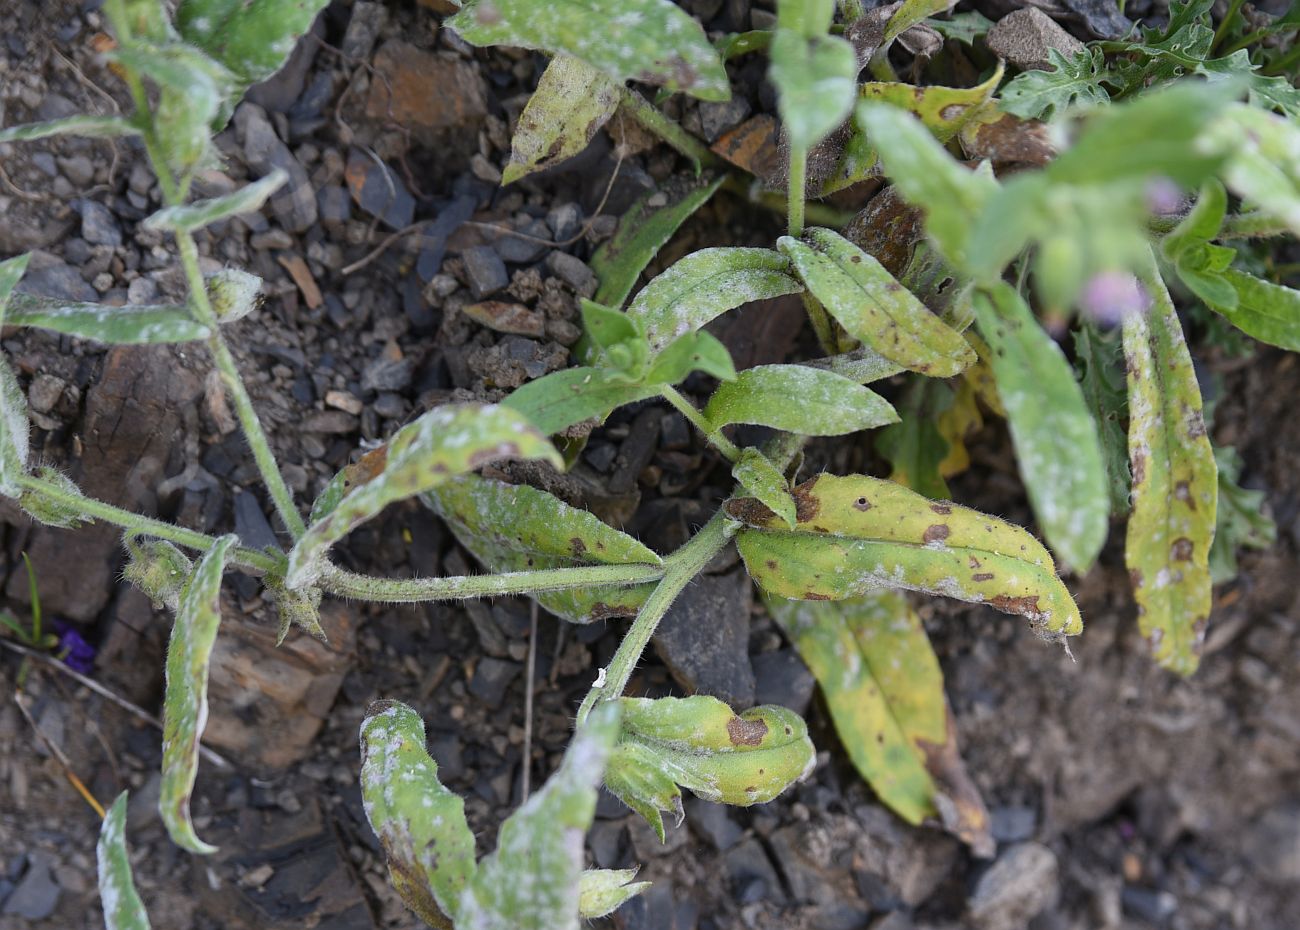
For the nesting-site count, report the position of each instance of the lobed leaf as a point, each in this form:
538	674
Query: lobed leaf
798	399
759	477
884	689
856	533
1076	80
603	891
514	527
191	216
1055	436
185	702
652	41
420	824
443	443
815	78
94	127
123	909
14	429
572	101
1175	484
557	401
142	324
873	307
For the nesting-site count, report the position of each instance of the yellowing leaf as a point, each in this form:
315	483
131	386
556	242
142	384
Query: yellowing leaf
943	110
572	101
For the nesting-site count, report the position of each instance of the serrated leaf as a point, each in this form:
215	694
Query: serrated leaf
884	688
815	79
642	232
652	41
911	13
185	702
252	38
420	824
123	909
572	101
857	533
763	480
1076	80
1100	369
511	527
1240	520
130	325
1175	484
1055	437
191	216
798	399
943	110
557	401
532	881
705	284
93	127
443	443
1269	312
873	307
603	891
14	429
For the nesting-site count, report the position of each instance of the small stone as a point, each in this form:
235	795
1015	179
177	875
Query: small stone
714	823
342	400
390	406
1012	824
142	290
1146	904
251	525
483	169
392	371
782	678
752	875
364	26
98	225
486	271
141	180
1272	843
334	205
332	422
1021	884
704	639
514	319
401	94
1025	36
37	893
491	678
45	392
608	843
564	221
717	118
563	332
378	190
572	272
645	842
522	249
273	238
78	169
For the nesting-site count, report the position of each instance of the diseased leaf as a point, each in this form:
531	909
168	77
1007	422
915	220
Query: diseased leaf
960	420
420	824
652	41
884	688
123	909
1240	521
252	38
692	352
1175	484
557	401
51	511
131	325
1100	369
1269	312
798	399
943	110
642	232
14	429
856	533
1263	160
158	569
443	443
1076	81
815	77
191	216
760	478
873	307
603	891
861	366
233	293
94	127
1055	436
532	881
185	703
511	527
572	101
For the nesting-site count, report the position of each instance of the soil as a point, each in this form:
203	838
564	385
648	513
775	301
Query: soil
1121	797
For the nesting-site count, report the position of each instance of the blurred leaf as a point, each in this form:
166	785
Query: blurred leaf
514	527
14	429
961	419
1175	484
572	101
557	401
857	533
420	824
233	293
141	19
130	325
914	447
94	127
798	399
123	909
253	38
603	891
760	478
815	79
652	41
1263	160
735	44
185	703
808	18
1055	436
1269	312
191	216
884	688
911	13
1099	365
443	443
1240	521
1076	81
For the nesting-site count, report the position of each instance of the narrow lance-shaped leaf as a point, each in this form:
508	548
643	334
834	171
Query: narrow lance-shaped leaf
653	41
873	307
572	101
130	325
943	110
191	216
420	824
1175	484
1098	361
856	533
1054	434
185	704
1268	312
557	401
123	909
14	428
532	881
763	480
815	78
825	404
95	127
884	688
445	442
603	891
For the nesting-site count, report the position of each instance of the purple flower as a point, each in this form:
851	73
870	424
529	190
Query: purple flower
1110	296
1164	197
76	653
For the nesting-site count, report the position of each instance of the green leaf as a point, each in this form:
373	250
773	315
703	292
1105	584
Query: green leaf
1175	484
873	307
735	44
1076	81
511	527
1263	160
692	352
420	824
532	881
607	328
94	127
963	27
760	478
652	41
557	401
1055	436
252	38
141	19
298	608
191	216
1269	312
131	325
443	443
911	13
51	511
705	284
884	689
857	533
572	101
914	447
808	18
603	891
1201	224
185	702
642	232
798	399
14	429
123	909
815	78
1099	364
1240	521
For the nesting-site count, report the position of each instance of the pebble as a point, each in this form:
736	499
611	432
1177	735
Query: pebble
1013	823
251	525
1021	884
390	406
502	317
334	422
572	272
1272	843
704	639
752	876
491	678
564	221
781	677
98	225
78	169
713	822
521	251
364	26
717	118
485	270
342	400
1154	907
44	392
387	374
1025	36
37	894
142	290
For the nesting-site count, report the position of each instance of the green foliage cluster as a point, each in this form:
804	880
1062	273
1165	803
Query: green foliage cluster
1197	110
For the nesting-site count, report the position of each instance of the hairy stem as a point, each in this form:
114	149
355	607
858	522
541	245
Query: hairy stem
666	129
412	590
798	182
1254	225
688	410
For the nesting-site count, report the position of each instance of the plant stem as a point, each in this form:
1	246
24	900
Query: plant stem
688	410
1219	34
880	67
412	590
682	566
821	323
798	182
1254	225
281	496
818	213
652	119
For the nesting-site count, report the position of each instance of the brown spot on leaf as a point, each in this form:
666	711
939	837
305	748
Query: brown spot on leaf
973	562
938	532
772	565
749	511
1139	468
577	547
982	576
744	732
602	611
1182	549
1026	606
862	504
941	509
806	503
1183	492
814	596
506	450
